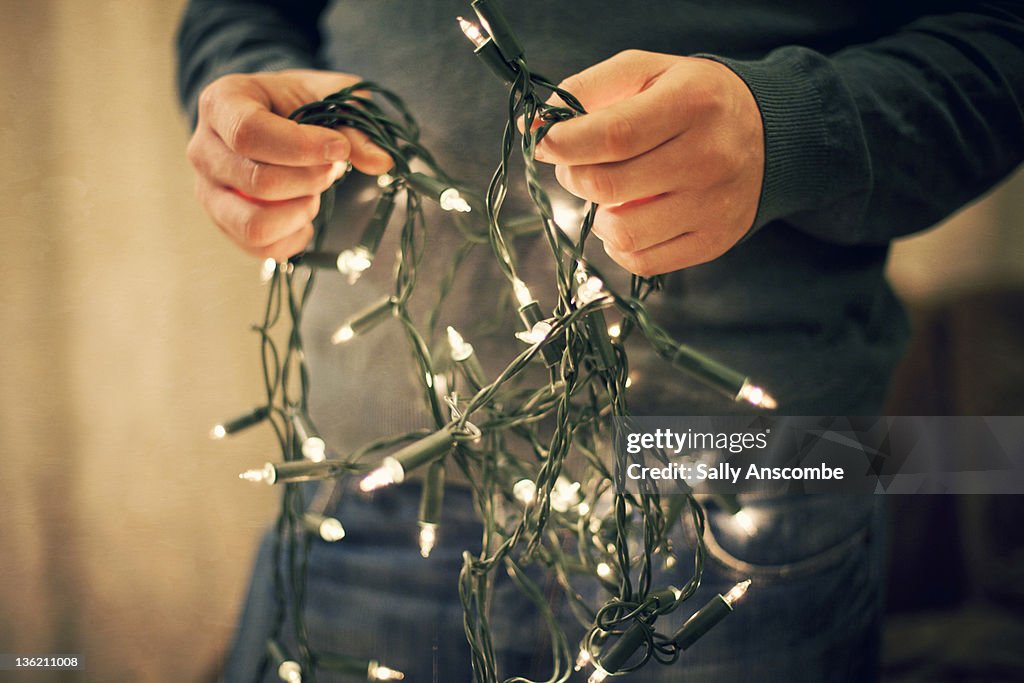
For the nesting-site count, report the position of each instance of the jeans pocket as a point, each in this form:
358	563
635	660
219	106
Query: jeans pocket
791	537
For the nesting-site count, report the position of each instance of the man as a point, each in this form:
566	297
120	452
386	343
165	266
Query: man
766	177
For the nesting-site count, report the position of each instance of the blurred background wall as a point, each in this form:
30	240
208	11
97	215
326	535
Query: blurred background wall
124	534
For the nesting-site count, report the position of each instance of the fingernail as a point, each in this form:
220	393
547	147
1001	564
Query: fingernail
337	150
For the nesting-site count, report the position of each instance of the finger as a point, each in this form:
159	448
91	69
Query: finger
249	129
616	78
616	182
251	224
621	131
366	156
212	158
285	248
631	109
682	251
636	226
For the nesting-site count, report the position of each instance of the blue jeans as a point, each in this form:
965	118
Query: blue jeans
813	612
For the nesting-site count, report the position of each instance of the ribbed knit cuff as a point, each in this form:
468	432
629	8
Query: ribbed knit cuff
813	153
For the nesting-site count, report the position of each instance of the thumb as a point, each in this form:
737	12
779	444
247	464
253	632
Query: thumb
615	79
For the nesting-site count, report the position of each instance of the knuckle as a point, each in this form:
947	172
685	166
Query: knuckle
257	181
243	134
194	154
619	135
598	184
253	227
312	207
615	232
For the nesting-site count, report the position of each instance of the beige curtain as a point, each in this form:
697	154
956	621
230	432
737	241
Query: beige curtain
124	533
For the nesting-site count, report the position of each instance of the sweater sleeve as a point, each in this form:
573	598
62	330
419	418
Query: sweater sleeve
883	139
218	37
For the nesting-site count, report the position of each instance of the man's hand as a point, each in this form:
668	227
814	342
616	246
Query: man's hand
673	150
260	175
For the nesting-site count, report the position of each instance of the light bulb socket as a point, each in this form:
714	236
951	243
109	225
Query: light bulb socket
701	622
237	424
601	343
371	316
374	233
432	496
305	470
623	648
490	55
500	30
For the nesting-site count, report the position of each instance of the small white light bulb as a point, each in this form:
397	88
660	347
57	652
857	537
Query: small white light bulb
615	330
598	676
428	538
389	472
522	292
331	530
352	263
343	334
385	180
736	592
473	32
451	200
267	270
604	570
314	449
756	396
525	491
745	520
376	672
460	349
265	474
583	659
218	432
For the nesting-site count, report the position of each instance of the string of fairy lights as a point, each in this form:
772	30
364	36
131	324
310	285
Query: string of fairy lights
576	528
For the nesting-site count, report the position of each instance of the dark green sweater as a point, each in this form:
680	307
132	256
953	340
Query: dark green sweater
881	118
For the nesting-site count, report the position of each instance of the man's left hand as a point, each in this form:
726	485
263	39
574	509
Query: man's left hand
672	149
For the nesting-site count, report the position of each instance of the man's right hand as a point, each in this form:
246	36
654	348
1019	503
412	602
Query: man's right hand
260	174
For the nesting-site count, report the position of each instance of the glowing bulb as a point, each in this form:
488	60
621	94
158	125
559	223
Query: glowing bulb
331	530
451	200
266	474
267	270
290	671
670	561
472	31
354	262
536	334
218	432
565	494
745	521
583	659
314	449
390	472
584	509
629	380
566	216
604	570
428	538
525	491
385	180
376	672
756	396
343	334
522	293
598	676
461	350
736	592
591	290
615	330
